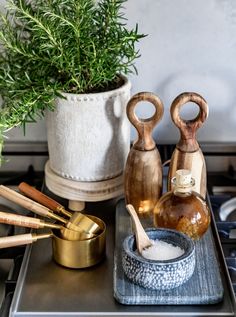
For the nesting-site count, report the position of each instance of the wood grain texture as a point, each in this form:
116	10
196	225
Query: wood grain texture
29	222
83	191
43	199
28	203
203	288
142	239
18	220
143	180
143	170
188	154
21	239
12	241
23	201
36	195
188	128
144	127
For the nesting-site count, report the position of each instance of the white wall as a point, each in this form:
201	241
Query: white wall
191	46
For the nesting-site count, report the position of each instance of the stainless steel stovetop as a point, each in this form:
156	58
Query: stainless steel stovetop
221	163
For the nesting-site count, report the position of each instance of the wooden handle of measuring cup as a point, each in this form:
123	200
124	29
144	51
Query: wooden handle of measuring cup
23	221
145	127
188	128
43	199
19	220
28	203
21	239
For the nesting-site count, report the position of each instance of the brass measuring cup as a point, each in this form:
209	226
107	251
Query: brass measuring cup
71	254
36	223
77	221
87	229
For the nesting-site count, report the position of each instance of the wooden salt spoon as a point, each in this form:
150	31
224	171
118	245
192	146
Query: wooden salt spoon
142	239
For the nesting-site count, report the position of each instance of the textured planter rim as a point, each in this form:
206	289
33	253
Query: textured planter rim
100	95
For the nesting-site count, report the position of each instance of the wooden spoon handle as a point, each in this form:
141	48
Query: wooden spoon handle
41	198
145	127
188	128
28	203
142	239
21	239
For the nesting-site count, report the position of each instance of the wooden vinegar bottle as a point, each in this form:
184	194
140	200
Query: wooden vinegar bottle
143	170
187	154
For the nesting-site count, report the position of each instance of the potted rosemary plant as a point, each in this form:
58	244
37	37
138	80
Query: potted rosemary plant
67	59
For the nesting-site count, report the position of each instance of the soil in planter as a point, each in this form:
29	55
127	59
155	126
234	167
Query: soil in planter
114	84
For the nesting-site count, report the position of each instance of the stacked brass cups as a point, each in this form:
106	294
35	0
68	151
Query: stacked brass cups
78	240
80	253
82	241
143	171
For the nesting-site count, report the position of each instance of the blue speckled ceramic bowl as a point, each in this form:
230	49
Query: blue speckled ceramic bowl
155	274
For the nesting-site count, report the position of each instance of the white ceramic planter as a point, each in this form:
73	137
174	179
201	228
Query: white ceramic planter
89	135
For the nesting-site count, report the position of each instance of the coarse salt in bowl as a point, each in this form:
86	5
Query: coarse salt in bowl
161	250
160	274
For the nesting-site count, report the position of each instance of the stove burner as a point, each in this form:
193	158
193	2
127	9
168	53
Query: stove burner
233	253
227	211
31	177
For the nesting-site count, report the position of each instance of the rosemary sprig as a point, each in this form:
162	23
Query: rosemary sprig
49	46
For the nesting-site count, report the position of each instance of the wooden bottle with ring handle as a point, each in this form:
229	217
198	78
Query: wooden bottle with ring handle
187	154
143	170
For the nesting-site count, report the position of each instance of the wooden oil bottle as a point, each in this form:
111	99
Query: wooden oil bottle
143	170
182	208
187	154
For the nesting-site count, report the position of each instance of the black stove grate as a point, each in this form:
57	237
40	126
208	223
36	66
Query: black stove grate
224	229
13	179
32	177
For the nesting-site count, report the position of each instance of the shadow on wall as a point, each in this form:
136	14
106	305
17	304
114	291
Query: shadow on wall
117	151
217	88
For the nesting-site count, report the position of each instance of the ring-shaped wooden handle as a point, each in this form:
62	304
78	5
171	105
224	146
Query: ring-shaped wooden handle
188	128
145	127
182	99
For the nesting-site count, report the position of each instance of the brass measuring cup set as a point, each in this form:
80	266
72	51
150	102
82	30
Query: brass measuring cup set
78	241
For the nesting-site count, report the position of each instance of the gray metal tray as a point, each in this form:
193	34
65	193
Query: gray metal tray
204	287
